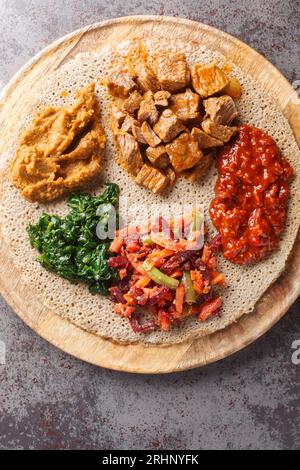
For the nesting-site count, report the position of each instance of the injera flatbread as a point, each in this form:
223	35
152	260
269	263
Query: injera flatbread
95	313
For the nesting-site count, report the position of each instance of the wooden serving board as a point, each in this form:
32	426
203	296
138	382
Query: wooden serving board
145	358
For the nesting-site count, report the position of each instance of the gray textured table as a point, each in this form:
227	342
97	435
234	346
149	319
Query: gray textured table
50	400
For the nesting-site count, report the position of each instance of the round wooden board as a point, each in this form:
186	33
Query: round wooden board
145	358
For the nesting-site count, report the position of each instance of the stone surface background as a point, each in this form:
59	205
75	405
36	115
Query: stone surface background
49	400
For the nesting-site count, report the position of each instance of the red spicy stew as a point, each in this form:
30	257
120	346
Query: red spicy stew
251	195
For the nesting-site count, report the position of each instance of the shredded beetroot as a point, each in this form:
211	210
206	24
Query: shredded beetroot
142	328
208	296
118	262
124	284
199	265
139	295
170	265
116	295
187	266
157	294
183	256
216	244
176	261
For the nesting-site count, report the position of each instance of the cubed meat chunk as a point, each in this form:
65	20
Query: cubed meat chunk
145	77
120	85
171	70
131	158
184	152
194	122
205	141
168	126
233	89
151	138
221	110
128	123
148	95
193	174
152	179
208	79
148	111
218	131
118	117
171	175
137	133
132	103
185	105
158	156
161	98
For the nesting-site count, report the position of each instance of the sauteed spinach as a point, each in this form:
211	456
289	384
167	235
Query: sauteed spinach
69	246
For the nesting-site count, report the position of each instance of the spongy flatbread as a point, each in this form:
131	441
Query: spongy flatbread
95	313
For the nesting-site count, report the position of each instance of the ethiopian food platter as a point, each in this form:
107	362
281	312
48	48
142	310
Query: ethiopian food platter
150	194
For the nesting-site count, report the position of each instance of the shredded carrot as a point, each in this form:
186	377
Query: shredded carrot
174	245
212	263
136	265
128	298
122	273
198	283
124	310
218	278
140	255
179	298
176	274
129	311
208	308
116	245
161	253
164	320
143	282
206	253
136	276
133	247
157	257
158	262
169	296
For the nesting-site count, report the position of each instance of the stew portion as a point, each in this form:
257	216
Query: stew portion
251	195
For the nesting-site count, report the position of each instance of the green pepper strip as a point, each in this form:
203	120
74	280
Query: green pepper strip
157	276
197	220
190	294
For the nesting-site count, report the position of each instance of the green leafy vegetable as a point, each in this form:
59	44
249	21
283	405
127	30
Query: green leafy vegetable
70	247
